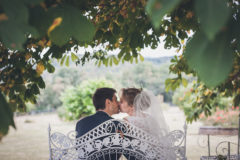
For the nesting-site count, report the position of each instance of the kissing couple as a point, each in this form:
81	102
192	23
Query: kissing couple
143	109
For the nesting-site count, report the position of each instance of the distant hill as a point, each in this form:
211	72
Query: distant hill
159	60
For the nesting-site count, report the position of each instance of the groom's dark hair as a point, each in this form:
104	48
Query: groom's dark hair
100	96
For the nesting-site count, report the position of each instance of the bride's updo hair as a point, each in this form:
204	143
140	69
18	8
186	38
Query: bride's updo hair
129	94
142	101
137	98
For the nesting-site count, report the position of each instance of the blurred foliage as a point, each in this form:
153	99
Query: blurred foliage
77	101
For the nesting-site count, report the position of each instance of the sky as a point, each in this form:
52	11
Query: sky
159	52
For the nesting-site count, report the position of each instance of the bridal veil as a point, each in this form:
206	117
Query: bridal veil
148	108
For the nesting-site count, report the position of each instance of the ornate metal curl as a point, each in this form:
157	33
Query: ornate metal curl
219	145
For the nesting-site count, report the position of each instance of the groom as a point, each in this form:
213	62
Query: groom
106	104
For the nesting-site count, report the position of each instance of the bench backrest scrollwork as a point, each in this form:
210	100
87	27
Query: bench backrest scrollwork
117	138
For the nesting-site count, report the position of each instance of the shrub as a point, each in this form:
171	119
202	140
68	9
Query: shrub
223	118
77	102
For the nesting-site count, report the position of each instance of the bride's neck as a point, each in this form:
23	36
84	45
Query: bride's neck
131	113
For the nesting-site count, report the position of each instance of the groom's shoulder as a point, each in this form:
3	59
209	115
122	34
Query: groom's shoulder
85	119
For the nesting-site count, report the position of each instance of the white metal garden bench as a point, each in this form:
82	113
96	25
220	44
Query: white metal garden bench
118	138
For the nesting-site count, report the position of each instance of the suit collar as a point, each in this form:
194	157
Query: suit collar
102	113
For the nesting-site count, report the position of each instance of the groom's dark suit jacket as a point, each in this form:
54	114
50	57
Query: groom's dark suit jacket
88	123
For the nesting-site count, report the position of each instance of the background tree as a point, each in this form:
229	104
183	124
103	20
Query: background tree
77	102
150	76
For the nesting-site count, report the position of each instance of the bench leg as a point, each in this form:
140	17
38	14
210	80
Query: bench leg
208	145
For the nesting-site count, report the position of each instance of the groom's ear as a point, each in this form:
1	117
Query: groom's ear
107	102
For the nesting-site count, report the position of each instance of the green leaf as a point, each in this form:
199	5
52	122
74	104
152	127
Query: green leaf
136	40
115	61
236	100
74	57
111	60
50	68
212	60
141	57
123	60
194	49
41	83
127	57
62	60
73	24
131	60
116	29
213	15
6	116
105	61
13	34
33	2
99	63
136	60
40	19
168	87
34	89
138	49
184	82
13	31
67	61
15	10
19	88
134	53
157	9
167	84
120	54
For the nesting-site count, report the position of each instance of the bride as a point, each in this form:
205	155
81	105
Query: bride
144	111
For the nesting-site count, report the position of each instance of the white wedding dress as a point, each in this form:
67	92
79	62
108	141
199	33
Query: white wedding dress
146	123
